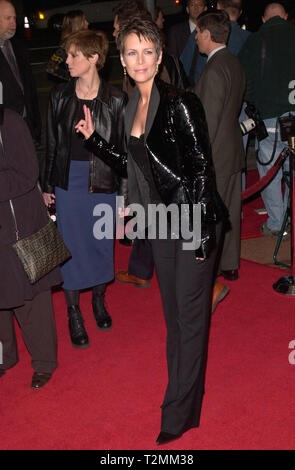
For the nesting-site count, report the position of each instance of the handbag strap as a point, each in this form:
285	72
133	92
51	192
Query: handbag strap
2	155
14	220
1	114
1	123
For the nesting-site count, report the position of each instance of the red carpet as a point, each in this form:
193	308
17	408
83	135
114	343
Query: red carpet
251	221
108	396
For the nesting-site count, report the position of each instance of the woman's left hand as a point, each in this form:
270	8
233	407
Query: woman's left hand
49	198
85	126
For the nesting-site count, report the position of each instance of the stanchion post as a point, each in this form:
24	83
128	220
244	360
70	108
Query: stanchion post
291	141
286	284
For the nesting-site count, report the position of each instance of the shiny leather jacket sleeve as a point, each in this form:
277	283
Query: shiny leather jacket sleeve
51	144
198	176
119	144
107	153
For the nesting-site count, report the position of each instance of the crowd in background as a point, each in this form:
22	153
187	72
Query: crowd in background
213	68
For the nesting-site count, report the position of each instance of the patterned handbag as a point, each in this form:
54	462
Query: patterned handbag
42	251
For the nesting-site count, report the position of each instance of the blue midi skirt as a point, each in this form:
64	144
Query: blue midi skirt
92	261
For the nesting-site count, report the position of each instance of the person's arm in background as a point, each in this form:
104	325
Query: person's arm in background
48	189
210	91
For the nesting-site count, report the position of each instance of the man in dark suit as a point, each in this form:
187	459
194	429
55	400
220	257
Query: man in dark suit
19	93
194	63
221	87
180	32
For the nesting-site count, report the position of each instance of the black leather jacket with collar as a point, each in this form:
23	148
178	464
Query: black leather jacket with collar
178	147
108	114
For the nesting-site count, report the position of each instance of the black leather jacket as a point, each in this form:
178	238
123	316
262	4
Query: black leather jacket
107	111
178	147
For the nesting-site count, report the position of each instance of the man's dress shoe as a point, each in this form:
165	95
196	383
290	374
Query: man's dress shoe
40	379
165	437
230	275
123	276
219	292
2	372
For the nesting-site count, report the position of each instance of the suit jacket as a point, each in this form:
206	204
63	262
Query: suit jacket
236	39
13	96
177	37
221	88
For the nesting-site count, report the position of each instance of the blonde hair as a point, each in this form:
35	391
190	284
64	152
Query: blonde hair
73	21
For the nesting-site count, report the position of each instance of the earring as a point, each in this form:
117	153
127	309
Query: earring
157	69
124	71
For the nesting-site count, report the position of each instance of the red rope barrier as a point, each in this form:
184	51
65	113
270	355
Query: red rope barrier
292	207
285	284
268	177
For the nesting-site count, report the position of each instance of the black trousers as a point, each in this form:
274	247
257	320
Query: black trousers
37	323
141	262
186	291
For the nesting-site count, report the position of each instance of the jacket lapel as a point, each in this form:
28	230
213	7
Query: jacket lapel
152	110
132	107
130	113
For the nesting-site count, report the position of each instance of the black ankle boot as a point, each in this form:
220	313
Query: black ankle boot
102	317
78	333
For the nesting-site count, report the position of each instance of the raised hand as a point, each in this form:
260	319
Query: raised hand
85	126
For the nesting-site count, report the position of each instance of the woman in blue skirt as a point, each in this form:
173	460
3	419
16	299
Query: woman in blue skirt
77	181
